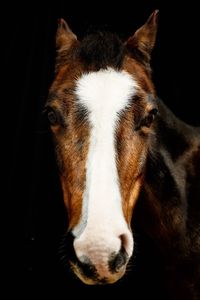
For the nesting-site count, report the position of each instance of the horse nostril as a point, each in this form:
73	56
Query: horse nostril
87	267
118	261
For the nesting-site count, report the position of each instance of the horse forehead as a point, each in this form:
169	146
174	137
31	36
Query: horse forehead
107	88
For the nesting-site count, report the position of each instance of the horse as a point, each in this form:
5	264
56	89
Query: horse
123	155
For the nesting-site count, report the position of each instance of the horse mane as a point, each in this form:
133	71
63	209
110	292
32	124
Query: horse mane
102	49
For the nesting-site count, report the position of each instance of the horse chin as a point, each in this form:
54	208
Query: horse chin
96	280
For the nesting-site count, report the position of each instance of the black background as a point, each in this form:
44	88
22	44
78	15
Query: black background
37	218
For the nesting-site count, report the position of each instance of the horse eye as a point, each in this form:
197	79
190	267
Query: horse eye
52	117
148	120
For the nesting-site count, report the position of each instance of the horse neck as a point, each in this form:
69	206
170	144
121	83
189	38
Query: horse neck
172	175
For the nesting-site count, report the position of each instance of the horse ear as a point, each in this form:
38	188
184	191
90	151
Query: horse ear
142	42
64	36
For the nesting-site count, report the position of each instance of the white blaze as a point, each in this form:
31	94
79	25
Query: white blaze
104	93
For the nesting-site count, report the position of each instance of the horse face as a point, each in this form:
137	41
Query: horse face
101	110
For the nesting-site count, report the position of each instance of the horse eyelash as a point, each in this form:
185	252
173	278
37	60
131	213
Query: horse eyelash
49	109
145	122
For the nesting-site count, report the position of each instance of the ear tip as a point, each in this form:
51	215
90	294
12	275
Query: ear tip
153	19
61	22
156	12
63	29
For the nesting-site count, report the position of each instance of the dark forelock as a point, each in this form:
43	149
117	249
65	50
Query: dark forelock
101	50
